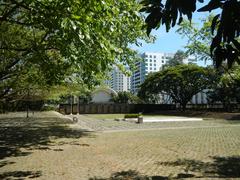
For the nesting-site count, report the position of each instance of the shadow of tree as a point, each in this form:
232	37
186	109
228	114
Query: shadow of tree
4	163
20	175
234	118
33	133
220	167
130	175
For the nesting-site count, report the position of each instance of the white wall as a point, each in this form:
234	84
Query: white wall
101	97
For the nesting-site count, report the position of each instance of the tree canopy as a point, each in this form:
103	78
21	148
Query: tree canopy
225	88
225	26
199	38
180	82
177	59
63	38
126	98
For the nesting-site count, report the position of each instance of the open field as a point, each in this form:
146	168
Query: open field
49	147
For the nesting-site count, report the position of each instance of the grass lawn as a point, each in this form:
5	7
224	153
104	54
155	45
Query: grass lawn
48	147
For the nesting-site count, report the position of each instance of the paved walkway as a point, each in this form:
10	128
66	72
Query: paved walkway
170	119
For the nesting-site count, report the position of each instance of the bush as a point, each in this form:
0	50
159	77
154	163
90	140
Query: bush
48	108
132	115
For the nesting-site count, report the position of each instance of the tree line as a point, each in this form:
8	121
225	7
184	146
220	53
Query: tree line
182	82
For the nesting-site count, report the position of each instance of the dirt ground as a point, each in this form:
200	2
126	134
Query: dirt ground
46	146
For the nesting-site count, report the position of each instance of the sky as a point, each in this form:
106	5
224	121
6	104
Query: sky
170	42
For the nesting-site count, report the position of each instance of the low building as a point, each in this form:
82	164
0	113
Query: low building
103	95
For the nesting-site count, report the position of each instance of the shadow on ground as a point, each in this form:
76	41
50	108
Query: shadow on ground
220	167
234	118
33	133
20	175
130	175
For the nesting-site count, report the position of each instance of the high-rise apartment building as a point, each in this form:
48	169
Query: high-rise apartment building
118	81
152	62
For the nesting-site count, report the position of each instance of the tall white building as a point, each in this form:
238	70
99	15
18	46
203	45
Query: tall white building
118	81
152	62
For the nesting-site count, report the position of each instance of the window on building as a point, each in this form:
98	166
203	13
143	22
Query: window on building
150	64
155	69
150	56
154	64
154	60
162	61
154	56
150	68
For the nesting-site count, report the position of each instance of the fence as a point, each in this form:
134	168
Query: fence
136	108
213	107
113	108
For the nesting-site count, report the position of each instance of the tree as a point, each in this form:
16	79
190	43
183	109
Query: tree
126	98
224	27
86	37
199	38
225	88
177	59
180	82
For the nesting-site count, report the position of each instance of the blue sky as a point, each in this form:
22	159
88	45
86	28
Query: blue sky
168	42
171	41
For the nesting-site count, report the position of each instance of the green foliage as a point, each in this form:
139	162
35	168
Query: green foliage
199	38
166	12
181	83
66	38
126	98
150	98
225	88
48	108
85	98
178	58
224	26
132	115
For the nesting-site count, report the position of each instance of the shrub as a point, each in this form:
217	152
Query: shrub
131	115
48	108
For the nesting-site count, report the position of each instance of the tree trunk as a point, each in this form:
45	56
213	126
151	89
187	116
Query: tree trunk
183	106
28	93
